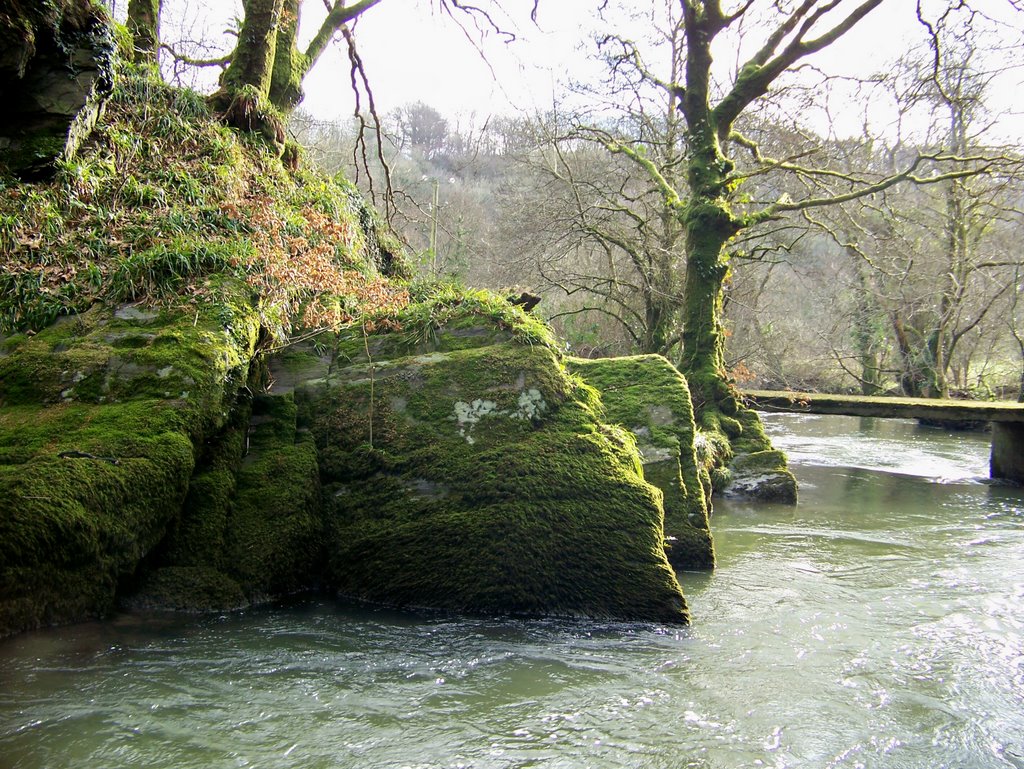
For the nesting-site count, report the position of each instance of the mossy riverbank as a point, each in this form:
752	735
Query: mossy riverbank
459	465
218	388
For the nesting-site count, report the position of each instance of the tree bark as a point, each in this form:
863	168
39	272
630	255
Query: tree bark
252	62
144	26
706	219
865	336
703	355
290	65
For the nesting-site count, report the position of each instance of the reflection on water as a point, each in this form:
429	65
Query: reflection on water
879	623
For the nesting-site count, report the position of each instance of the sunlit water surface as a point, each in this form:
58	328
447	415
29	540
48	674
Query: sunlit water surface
879	623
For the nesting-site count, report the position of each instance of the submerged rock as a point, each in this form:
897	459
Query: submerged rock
757	471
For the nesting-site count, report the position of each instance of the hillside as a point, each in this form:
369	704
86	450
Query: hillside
162	202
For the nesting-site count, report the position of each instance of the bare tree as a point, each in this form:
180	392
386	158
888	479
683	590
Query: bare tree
610	236
705	199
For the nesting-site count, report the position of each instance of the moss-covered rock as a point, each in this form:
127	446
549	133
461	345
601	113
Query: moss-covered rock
482	479
124	470
194	589
188	571
757	471
98	441
251	529
646	395
273	536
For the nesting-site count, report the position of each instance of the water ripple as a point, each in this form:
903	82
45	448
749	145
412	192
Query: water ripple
880	623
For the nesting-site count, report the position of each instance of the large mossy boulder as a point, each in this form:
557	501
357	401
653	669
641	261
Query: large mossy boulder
102	419
479	476
464	469
136	464
647	395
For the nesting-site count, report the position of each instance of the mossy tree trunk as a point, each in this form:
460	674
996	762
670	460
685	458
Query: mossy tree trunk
867	339
267	64
292	65
144	26
702	203
252	62
709	229
706	214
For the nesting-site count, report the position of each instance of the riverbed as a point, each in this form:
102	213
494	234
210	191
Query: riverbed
878	623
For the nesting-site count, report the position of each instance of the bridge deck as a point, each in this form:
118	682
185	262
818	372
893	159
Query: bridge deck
870	406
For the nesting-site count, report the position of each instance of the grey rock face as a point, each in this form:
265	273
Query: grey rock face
56	70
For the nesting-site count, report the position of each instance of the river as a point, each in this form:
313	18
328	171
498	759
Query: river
879	623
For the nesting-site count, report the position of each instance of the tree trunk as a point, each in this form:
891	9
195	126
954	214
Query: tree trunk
910	378
655	333
703	356
661	313
866	338
252	63
144	26
936	365
245	84
290	65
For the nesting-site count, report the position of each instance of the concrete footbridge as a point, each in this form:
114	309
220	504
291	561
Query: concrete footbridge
1006	417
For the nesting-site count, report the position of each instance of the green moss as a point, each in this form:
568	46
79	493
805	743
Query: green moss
88	491
720	477
193	364
647	395
273	537
756	469
490	485
99	440
188	589
445	317
198	537
750	433
164	198
251	528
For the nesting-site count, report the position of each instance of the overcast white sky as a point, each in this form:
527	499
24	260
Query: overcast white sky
413	52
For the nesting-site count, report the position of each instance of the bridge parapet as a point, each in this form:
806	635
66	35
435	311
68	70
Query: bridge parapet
1007	418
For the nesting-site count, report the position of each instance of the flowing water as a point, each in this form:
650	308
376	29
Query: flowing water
879	623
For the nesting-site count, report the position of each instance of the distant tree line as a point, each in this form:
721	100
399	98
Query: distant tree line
900	276
676	205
